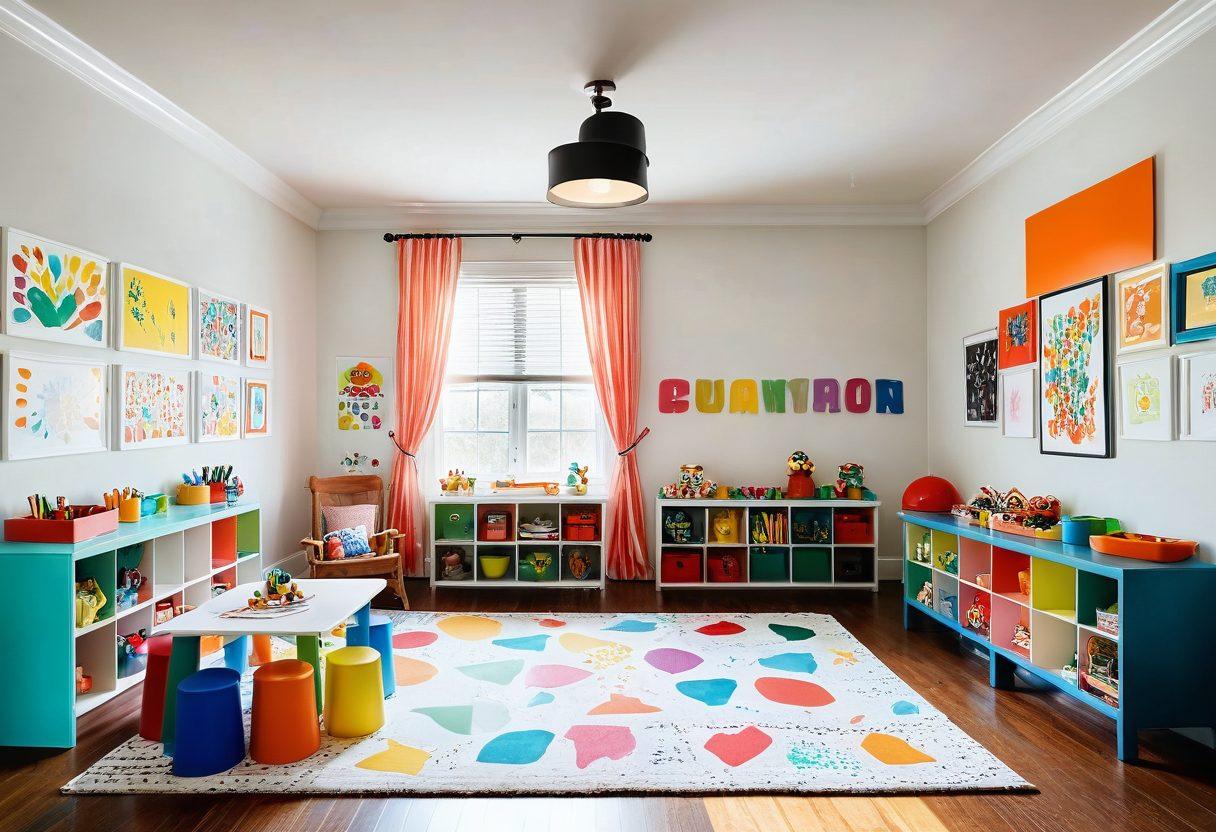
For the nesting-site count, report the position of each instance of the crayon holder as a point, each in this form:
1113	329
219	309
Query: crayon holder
30	529
218	492
193	495
129	510
1077	528
154	504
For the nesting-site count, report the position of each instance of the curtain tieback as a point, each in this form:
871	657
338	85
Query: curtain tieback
393	436
645	432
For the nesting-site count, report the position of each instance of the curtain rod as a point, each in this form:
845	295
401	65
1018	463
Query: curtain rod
517	236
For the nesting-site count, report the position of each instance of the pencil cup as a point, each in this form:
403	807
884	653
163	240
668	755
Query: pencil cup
193	495
129	510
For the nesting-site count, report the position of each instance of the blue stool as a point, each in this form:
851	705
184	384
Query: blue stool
382	640
210	733
236	654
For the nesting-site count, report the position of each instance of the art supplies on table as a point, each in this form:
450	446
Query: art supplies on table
216	484
58	521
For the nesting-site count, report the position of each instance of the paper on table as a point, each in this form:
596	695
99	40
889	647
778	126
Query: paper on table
275	612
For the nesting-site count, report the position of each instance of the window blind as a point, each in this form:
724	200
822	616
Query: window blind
518	321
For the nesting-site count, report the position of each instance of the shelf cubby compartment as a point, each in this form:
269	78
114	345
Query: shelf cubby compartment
945	551
223	542
768	526
683	525
852	565
974	560
726	565
945	595
137	556
853	526
248	570
496	522
1099	677
918	545
445	550
168	563
95	655
592	551
1006	616
727	526
584	522
1054	588
682	565
546	561
540	511
249	533
1094	592
223	580
102	569
1054	643
768	565
967	596
1007	580
196	545
811	526
812	564
132	623
918	574
454	522
195	595
494	552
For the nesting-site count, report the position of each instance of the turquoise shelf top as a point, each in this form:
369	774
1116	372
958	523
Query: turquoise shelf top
1078	557
176	519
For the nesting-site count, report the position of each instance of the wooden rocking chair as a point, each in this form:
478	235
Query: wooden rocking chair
385	562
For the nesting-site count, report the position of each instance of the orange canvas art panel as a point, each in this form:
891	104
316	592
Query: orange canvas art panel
1016	331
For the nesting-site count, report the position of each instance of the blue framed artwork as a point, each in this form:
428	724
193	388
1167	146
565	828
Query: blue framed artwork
1193	292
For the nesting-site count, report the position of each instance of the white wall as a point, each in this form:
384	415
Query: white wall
77	167
716	303
976	266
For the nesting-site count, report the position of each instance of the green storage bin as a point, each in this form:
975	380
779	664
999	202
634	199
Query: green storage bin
538	565
768	565
455	522
813	566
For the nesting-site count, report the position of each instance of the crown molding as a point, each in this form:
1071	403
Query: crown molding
540	216
1172	31
40	33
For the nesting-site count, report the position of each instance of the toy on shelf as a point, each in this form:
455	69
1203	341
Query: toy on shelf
811	526
769	527
353	463
1024	581
509	484
453	564
801	484
850	482
494	526
126	594
947	605
457	483
984	580
579	564
692	485
677	526
280	591
576	481
1021	636
494	566
132	653
163	613
1078	528
89	601
923	553
949	562
1010	512
1143	547
537	566
1101	676
84	682
931	494
1069	671
722	492
755	492
1107	620
978	615
540	528
925	594
725	525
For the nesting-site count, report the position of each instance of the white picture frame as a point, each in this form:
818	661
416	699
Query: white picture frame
204	352
1197	376
119	282
253	313
1019	402
23	404
11	240
124	440
209	425
981	348
1159	273
1146	399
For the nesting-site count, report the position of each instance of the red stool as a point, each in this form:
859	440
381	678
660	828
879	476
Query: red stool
151	712
284	727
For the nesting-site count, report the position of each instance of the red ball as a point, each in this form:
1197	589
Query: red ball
930	494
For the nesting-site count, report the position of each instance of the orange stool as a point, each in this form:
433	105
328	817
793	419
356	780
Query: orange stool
262	652
284	722
152	709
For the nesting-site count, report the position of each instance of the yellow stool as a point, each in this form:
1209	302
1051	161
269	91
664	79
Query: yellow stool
354	692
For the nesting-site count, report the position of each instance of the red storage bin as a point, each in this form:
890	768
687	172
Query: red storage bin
681	567
727	567
495	526
853	526
582	525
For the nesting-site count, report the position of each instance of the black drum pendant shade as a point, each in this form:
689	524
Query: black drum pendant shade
606	167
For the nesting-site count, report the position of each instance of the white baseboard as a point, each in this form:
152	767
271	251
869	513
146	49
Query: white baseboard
296	564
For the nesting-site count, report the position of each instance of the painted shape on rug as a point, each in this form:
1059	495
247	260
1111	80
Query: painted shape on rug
619	703
516	748
844	657
722	628
672	660
736	749
791	633
793	692
599	653
397	758
542	698
554	675
791	662
594	742
712	692
536	643
550	622
632	625
412	671
893	751
470	627
904	708
477	718
498	673
413	638
822	757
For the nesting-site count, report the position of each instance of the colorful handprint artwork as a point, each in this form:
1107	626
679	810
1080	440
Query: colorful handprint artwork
53	291
53	406
154	408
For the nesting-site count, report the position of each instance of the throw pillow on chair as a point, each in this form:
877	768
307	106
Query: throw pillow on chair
352	540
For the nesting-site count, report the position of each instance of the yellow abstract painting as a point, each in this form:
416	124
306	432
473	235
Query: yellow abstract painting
155	313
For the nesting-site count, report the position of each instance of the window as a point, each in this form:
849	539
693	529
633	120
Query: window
518	398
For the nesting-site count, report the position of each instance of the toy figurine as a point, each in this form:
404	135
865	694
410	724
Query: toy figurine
453	565
925	595
89	601
725	526
578	563
456	483
978	615
849	481
678	527
722	492
577	479
280	591
1021	636
801	485
692	485
126	592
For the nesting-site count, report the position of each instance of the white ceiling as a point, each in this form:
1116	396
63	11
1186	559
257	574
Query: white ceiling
381	102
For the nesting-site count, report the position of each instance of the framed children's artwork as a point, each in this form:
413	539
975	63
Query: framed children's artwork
1198	374
361	403
217	407
153	313
54	406
153	407
1016	330
219	327
1017	403
979	374
257	408
54	291
1142	303
1193	292
257	336
1146	399
1074	362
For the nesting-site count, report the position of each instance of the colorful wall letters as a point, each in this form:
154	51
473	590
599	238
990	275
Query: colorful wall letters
860	395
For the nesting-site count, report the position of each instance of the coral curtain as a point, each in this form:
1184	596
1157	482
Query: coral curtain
427	271
609	276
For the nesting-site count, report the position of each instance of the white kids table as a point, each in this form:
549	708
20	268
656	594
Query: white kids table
331	603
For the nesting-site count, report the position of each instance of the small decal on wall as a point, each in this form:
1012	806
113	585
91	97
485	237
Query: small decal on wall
361	401
749	395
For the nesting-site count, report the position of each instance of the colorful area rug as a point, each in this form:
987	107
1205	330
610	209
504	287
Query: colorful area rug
583	704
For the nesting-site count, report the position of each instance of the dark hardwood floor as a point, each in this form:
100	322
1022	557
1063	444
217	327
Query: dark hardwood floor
1061	746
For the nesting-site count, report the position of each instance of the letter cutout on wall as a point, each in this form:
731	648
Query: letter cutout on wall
827	395
800	389
711	395
773	390
744	396
673	394
857	395
890	395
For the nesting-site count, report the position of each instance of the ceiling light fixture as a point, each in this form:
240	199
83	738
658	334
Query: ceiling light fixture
606	167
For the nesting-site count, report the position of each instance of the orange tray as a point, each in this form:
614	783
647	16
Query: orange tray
30	529
1143	546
